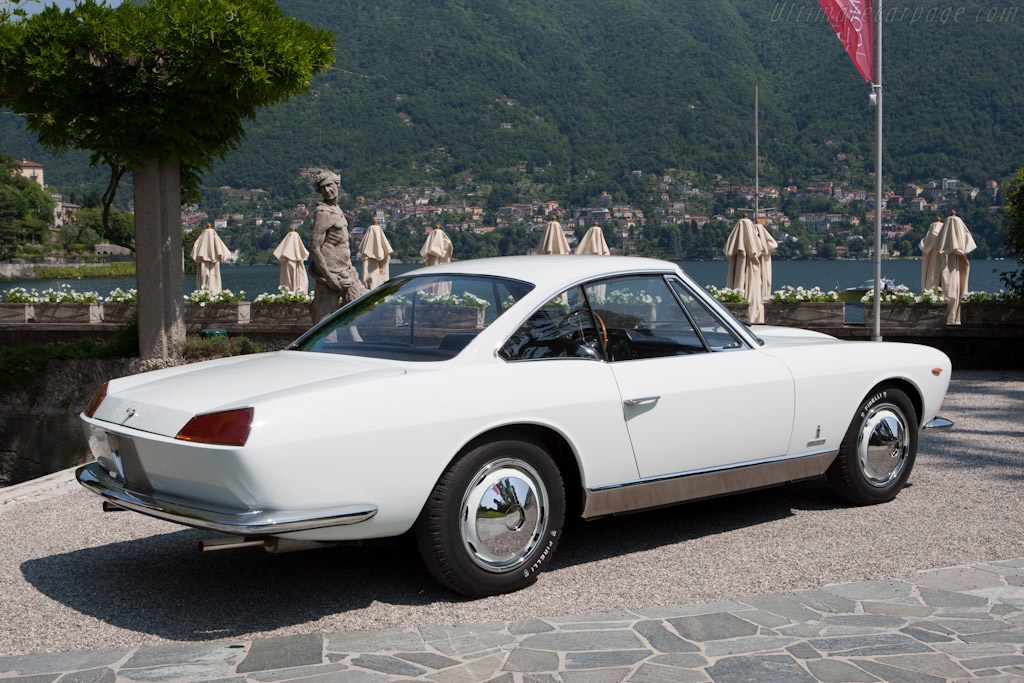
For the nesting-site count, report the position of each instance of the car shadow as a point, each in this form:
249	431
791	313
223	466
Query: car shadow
162	586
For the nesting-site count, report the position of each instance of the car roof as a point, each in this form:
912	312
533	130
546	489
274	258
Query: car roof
550	270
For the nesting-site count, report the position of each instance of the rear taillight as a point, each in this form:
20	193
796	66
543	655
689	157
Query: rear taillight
96	400
226	428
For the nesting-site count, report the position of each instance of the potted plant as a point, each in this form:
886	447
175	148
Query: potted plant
202	307
289	306
65	305
640	304
732	299
16	306
799	307
120	306
449	311
901	307
984	309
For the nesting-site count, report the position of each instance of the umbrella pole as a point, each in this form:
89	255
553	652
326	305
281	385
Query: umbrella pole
876	332
757	159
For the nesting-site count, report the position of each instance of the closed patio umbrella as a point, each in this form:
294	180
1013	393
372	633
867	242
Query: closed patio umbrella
749	249
208	251
292	253
376	251
931	268
437	250
594	243
954	243
553	240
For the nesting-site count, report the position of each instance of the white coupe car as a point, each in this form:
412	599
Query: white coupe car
479	403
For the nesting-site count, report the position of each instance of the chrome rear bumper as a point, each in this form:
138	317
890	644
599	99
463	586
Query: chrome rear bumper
237	522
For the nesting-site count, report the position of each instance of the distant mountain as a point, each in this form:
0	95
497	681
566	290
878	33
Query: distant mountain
581	93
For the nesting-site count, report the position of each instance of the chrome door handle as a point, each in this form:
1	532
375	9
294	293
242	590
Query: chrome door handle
641	401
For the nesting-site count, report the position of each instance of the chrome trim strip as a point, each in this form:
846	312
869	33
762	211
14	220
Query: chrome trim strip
720	468
939	424
244	523
641	401
708	483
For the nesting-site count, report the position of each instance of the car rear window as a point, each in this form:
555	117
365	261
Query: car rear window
419	318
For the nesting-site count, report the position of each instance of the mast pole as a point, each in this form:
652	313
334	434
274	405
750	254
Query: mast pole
876	332
757	158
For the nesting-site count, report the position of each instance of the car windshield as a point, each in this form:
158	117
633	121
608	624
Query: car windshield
424	318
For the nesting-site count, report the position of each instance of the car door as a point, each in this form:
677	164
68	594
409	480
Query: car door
695	397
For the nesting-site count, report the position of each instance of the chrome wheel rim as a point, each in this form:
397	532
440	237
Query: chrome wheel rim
883	445
503	515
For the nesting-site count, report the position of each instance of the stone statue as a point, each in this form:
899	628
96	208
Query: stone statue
331	262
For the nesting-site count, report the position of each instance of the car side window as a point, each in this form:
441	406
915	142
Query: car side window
714	331
562	328
640	318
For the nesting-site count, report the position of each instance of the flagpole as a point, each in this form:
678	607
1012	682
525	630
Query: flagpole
757	160
876	331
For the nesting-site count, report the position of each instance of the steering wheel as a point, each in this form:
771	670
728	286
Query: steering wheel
604	332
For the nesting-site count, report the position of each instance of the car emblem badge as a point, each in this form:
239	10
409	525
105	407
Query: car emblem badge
130	413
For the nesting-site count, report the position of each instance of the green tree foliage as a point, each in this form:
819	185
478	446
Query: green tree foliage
25	209
121	224
165	84
1014	233
144	81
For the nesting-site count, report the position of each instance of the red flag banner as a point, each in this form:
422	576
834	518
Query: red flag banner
851	20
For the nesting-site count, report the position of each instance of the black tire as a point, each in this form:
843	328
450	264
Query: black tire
507	541
878	451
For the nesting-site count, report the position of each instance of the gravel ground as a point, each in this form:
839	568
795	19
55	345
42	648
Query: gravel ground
74	578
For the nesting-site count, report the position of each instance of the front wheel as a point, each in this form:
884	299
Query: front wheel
878	451
494	519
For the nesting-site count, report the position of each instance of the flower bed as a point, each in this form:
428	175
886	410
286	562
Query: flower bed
284	312
799	307
203	307
726	295
450	311
901	294
805	314
449	317
120	306
287	306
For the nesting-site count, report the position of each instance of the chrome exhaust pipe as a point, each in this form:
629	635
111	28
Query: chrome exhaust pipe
228	543
290	545
271	545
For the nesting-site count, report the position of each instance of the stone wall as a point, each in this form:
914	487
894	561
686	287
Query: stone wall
40	431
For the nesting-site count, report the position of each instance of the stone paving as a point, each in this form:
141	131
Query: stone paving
956	624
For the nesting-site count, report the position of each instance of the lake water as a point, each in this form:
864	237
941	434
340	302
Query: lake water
254	280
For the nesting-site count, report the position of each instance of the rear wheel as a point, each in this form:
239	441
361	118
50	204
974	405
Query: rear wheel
878	451
494	519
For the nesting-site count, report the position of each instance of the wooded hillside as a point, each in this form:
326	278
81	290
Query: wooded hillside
581	93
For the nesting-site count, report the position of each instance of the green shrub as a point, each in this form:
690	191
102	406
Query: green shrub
21	366
199	348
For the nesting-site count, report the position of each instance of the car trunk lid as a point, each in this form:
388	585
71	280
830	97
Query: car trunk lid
162	402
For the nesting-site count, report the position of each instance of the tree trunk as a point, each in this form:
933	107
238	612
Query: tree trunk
159	258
